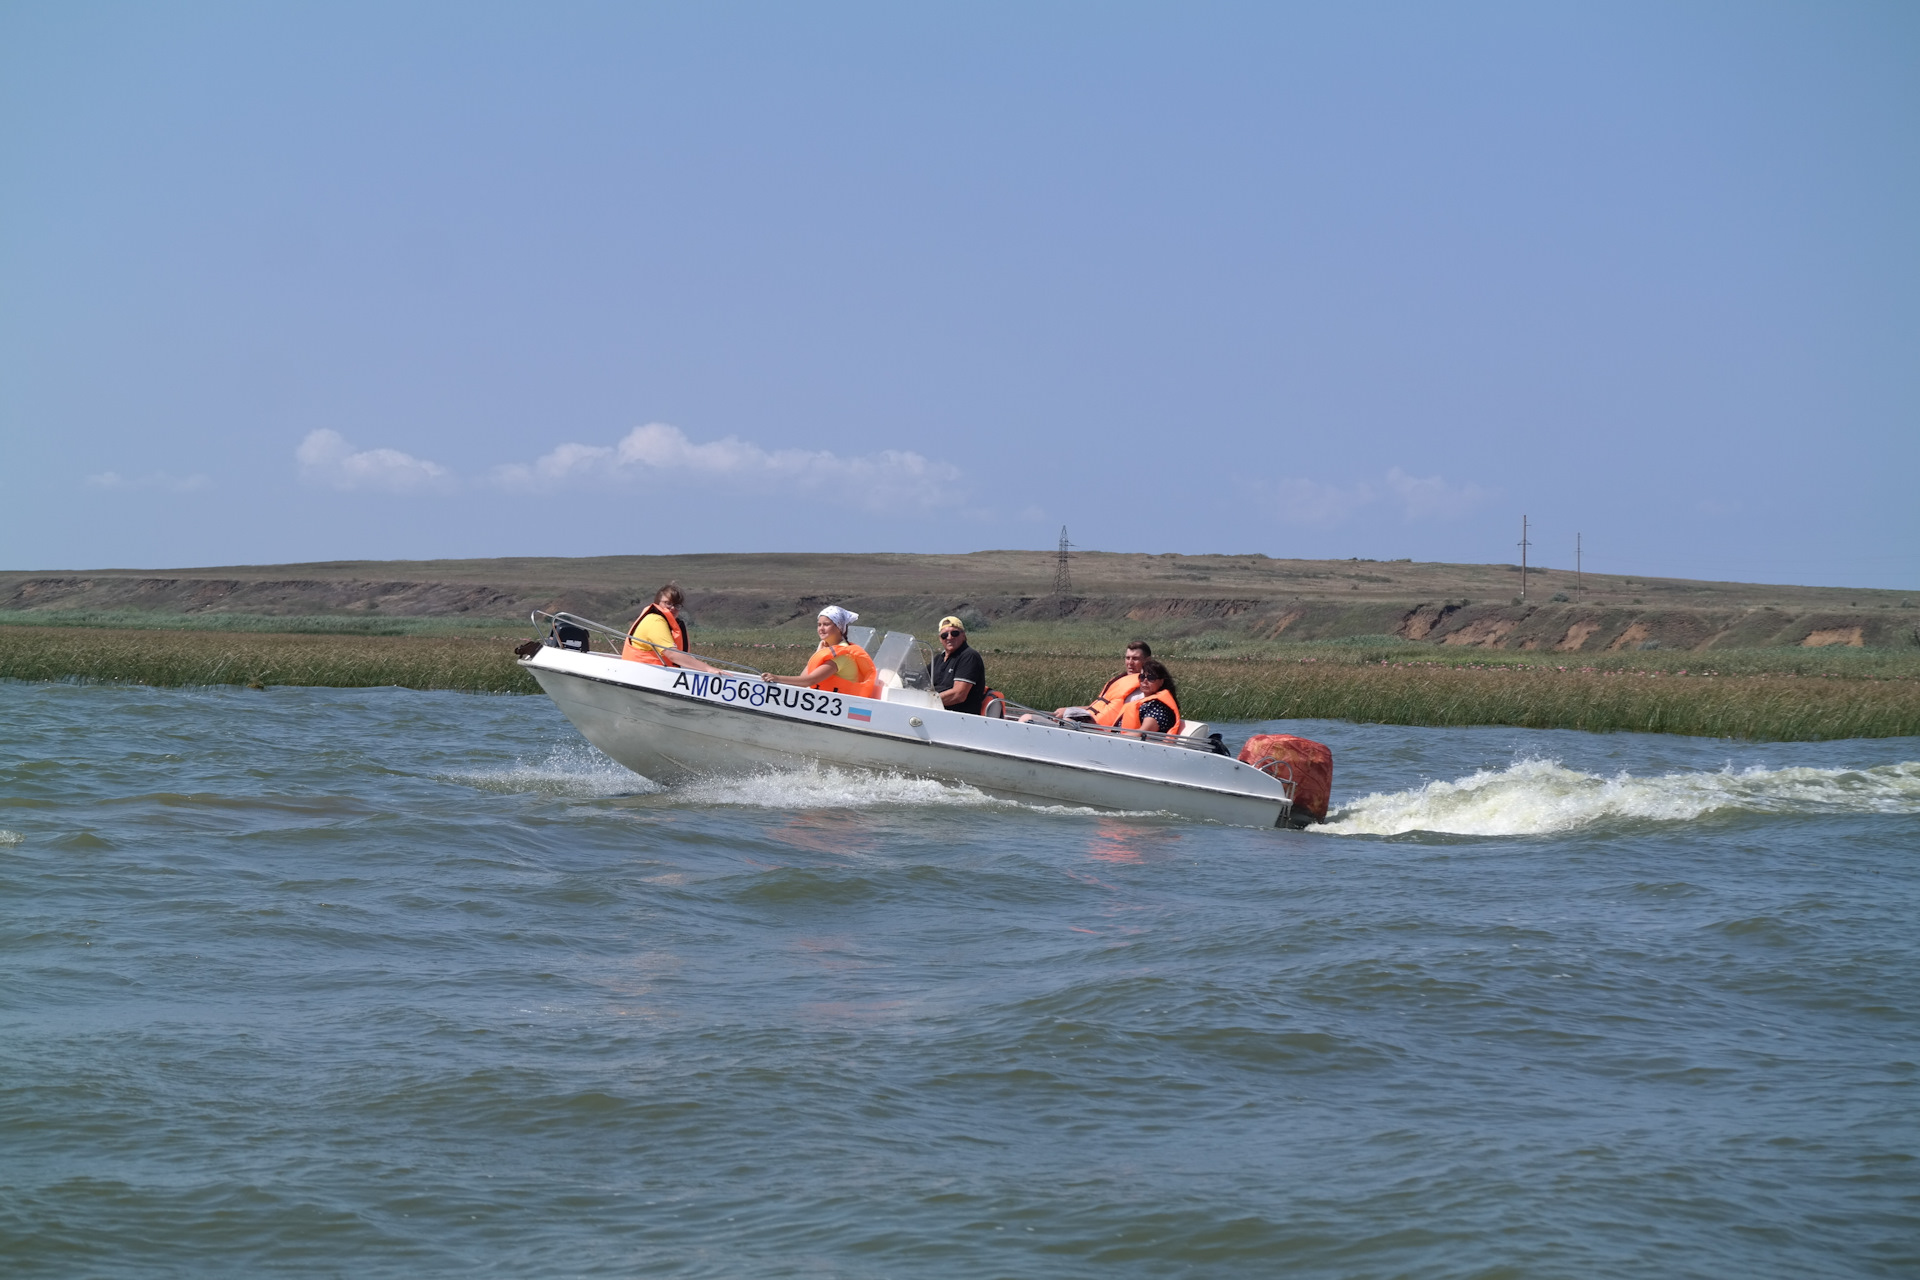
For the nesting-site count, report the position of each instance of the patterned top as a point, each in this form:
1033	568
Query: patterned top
1159	712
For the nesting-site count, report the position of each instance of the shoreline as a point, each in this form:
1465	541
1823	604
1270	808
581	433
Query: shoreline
1780	706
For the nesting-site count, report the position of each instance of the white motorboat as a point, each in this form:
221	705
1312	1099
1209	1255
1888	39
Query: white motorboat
671	724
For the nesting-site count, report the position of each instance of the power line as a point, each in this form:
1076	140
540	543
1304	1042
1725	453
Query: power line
1524	544
1062	575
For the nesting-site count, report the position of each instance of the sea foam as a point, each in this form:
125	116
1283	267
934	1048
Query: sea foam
578	770
574	769
1537	797
815	786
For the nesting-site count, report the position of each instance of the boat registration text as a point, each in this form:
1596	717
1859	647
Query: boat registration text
758	693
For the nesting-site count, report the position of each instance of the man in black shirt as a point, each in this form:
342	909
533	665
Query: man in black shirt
959	676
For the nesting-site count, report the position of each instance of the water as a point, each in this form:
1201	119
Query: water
380	983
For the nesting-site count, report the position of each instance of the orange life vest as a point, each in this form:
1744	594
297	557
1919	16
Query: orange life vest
854	672
1112	700
646	653
1130	718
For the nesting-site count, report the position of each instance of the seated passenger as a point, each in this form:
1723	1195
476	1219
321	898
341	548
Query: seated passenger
659	634
1111	702
837	666
959	673
1155	709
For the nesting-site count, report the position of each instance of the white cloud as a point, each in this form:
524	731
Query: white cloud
889	478
1299	500
152	480
326	458
1433	497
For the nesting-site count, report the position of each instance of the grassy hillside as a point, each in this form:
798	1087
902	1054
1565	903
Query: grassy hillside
1235	603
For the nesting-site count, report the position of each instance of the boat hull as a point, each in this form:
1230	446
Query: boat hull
671	725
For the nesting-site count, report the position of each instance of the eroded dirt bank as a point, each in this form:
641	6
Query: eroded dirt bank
1472	605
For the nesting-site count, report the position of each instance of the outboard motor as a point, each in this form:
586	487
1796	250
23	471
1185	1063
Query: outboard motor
570	637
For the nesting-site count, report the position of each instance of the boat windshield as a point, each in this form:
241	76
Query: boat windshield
863	636
910	662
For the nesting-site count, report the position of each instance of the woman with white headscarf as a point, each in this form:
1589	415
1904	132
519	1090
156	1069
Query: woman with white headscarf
838	665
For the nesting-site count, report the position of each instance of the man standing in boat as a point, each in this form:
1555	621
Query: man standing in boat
959	672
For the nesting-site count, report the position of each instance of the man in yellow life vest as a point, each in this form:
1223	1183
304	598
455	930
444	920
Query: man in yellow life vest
659	634
838	665
1111	702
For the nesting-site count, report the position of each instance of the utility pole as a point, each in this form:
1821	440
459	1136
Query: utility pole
1524	544
1579	579
1062	578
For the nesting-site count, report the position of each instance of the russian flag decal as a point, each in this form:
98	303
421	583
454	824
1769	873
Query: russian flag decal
859	713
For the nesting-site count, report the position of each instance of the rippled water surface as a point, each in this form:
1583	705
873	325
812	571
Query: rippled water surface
371	982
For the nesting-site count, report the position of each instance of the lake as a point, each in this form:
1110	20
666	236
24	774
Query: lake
385	983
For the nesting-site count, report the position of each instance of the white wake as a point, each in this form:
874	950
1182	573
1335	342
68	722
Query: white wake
816	786
1536	797
575	769
579	770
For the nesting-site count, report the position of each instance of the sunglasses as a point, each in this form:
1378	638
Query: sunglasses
948	635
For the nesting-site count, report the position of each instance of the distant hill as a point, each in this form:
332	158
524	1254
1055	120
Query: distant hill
1452	604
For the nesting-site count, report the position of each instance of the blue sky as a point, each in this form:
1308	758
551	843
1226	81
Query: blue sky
294	282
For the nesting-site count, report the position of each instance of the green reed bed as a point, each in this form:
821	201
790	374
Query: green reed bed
1834	660
1779	706
1771	707
471	665
1775	707
353	624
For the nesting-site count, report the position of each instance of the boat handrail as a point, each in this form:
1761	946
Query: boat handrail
1113	730
618	639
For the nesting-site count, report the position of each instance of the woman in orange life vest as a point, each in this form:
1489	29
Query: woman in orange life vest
659	634
1156	709
837	666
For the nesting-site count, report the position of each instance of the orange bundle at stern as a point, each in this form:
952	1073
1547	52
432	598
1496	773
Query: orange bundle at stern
1308	763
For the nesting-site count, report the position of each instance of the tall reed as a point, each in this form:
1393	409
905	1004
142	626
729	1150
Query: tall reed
203	657
1772	707
1780	707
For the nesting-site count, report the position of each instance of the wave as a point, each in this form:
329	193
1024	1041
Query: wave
10	837
580	770
816	786
1537	797
573	769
